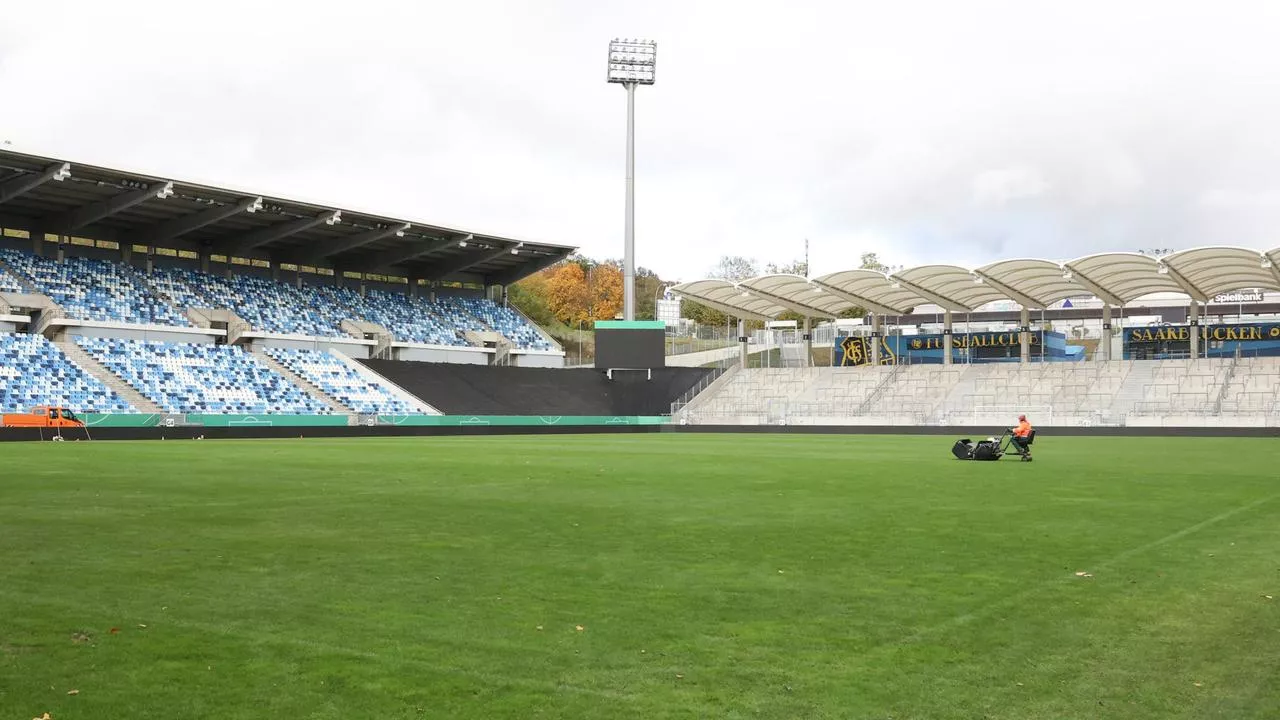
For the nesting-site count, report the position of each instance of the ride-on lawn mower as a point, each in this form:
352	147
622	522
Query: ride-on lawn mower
992	448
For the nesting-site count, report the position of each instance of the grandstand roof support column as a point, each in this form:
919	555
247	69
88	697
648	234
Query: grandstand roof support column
1104	344
742	344
1024	335
204	260
946	337
1195	330
36	232
875	339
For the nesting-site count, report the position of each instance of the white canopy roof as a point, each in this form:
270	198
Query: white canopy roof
1116	278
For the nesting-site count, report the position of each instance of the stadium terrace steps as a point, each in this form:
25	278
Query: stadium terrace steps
304	384
1244	391
1133	386
116	383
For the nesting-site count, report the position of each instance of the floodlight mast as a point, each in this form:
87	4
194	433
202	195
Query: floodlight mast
631	63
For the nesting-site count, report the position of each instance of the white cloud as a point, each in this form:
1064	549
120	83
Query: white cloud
925	131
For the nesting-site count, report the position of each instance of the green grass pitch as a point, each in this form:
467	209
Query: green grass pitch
659	576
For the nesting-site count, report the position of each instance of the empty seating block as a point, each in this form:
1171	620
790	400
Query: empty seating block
33	371
266	305
107	291
9	283
188	378
499	319
341	381
408	319
95	289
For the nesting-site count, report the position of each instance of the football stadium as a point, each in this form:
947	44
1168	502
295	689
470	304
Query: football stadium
275	459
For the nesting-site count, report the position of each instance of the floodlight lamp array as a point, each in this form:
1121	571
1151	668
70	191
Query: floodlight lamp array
633	61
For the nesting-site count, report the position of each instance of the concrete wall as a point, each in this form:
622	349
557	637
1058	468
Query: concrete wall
352	349
134	333
536	359
436	354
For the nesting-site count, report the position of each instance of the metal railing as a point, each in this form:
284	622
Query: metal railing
687	397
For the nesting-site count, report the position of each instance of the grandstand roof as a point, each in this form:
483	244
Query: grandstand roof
50	195
1117	278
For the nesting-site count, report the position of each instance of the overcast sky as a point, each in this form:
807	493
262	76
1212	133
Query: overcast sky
934	131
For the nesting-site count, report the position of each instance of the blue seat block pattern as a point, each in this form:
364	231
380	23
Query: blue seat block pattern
95	289
34	371
195	378
342	382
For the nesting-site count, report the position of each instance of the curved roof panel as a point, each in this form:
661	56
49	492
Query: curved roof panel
727	298
1117	278
798	294
1033	283
1122	277
873	290
1217	270
950	286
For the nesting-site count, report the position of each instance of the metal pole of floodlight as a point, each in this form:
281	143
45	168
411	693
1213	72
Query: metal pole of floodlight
631	63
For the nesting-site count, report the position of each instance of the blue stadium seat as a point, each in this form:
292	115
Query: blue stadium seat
9	283
511	324
267	305
99	290
342	382
95	289
194	378
408	319
33	371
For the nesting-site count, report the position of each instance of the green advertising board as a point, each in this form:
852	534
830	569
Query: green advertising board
95	420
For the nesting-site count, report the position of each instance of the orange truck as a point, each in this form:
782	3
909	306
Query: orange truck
41	416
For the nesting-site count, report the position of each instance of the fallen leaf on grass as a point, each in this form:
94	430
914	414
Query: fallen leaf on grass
73	692
1084	574
45	716
539	628
142	627
1268	597
1198	684
115	631
679	676
579	628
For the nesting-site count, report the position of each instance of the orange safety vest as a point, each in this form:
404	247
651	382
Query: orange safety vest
1023	430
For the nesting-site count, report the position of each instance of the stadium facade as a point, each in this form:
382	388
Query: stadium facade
127	296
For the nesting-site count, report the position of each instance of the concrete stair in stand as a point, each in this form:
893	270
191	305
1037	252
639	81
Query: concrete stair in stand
306	385
106	377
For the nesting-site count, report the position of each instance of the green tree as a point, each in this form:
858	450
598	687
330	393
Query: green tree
648	288
735	268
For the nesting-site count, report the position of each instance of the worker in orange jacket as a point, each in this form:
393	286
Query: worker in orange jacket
1021	433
